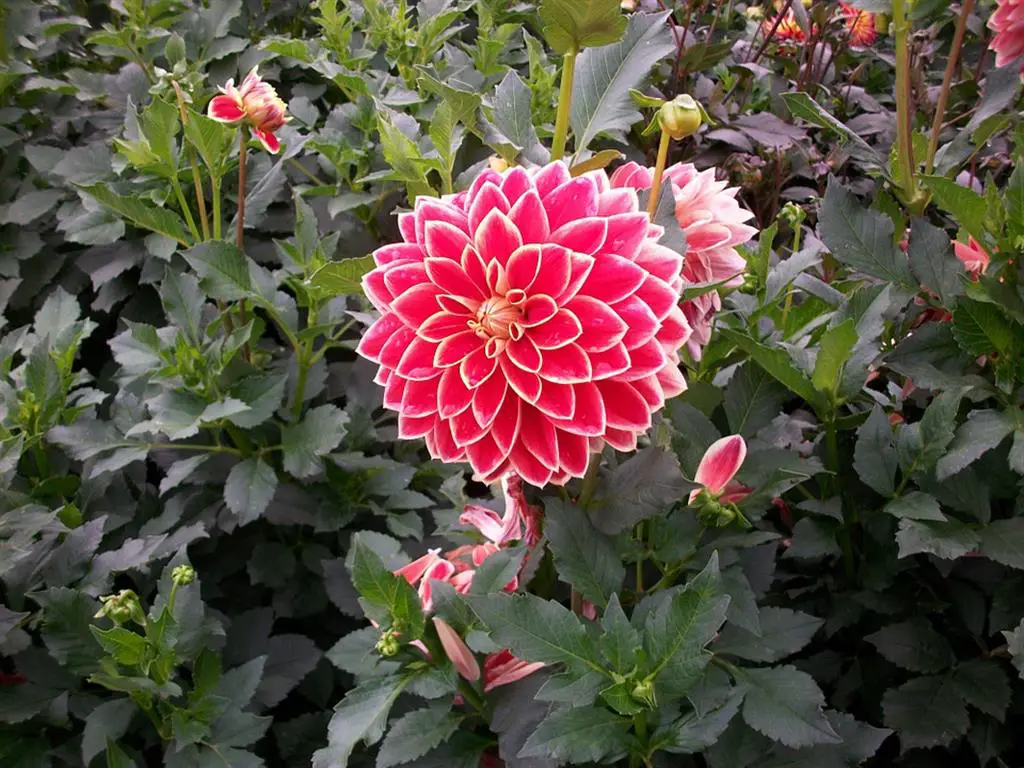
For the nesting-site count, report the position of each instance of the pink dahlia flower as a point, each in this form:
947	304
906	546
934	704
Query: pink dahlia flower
719	465
714	224
518	516
1008	24
974	258
255	102
526	322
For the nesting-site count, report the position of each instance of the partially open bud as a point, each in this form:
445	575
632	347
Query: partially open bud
681	117
455	647
644	693
121	608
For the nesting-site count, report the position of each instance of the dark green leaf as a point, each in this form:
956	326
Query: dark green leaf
183	303
1003	541
874	456
319	432
983	684
360	716
108	721
584	557
640	487
777	363
948	540
927	712
571	25
783	633
933	262
982	329
620	641
416	733
913	645
967	206
141	214
915	506
379	587
692	734
497	571
580	735
752	400
224	270
605	76
513	115
786	705
982	432
1015	646
249	488
803	106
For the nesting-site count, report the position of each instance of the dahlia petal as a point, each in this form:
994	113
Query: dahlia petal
497	283
442	444
442	240
488	399
524	353
417	360
441	325
461	306
414	571
626	231
662	262
497	238
465	428
625	407
621	440
539	437
394	391
613	278
451	278
398	252
458	652
377	291
411	427
407	226
475	269
551	176
453	396
225	109
658	296
589	417
526	384
720	463
610	362
650	390
528	466
485	456
416	304
428	209
268	139
489	176
601	327
557	401
505	428
617	201
420	397
675	330
399	278
523	266
393	349
516	184
573	453
530	218
645	360
575	199
537	310
632	175
580	267
476	368
642	323
487	200
563	328
555	270
455	349
377	335
707	236
583	235
566	365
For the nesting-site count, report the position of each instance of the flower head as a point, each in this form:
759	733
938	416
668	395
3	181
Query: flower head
974	258
860	25
788	30
714	224
255	102
719	465
526	322
1008	23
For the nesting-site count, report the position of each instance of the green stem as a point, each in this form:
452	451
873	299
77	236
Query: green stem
789	292
590	481
904	115
191	155
243	157
846	534
185	209
217	218
300	386
564	105
947	82
659	171
639	534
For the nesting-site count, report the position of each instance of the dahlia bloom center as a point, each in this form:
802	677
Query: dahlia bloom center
499	318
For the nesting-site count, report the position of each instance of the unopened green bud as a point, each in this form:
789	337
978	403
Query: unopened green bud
121	608
681	117
183	574
387	645
792	214
174	50
644	693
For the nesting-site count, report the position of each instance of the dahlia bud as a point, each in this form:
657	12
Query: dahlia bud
754	13
174	50
122	607
644	693
792	214
681	117
387	645
183	574
498	164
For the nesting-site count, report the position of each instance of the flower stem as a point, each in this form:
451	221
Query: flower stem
243	157
904	114
947	82
590	481
659	171
185	209
217	217
191	155
564	105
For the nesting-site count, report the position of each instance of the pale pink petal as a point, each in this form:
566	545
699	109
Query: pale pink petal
455	647
721	462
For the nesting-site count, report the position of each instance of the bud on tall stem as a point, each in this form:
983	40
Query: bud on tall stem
678	118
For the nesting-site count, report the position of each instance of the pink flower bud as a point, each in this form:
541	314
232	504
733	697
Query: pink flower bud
720	463
257	103
461	656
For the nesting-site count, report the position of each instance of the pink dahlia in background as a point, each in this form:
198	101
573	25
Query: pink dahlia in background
255	102
974	258
714	224
526	322
1008	23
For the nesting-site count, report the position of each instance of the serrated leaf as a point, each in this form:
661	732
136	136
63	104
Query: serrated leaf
416	733
535	629
183	303
804	107
513	115
640	487
787	706
360	716
580	735
1003	541
108	721
693	734
497	571
967	206
380	588
926	712
319	432
619	641
913	645
874	455
862	238
224	270
915	506
141	214
833	352
678	630
982	432
947	541
779	365
933	262
1015	647
783	633
604	76
571	25
584	557
752	400
343	278
249	488
983	684
981	328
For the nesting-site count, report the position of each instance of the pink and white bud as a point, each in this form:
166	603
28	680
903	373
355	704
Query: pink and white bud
255	102
719	466
502	668
974	258
461	656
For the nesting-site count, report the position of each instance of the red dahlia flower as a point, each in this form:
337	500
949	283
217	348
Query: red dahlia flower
257	103
859	24
788	31
1008	24
526	322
